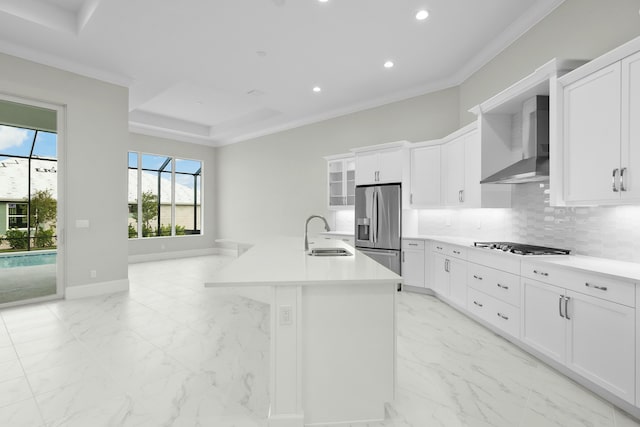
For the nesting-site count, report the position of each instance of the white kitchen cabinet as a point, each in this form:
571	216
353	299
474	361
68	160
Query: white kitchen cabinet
450	273
341	190
413	270
461	181
379	165
591	336
599	134
425	188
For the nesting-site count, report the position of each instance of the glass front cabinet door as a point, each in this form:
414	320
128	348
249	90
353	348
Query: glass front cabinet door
341	178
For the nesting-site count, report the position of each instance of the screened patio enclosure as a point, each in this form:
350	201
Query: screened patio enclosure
28	202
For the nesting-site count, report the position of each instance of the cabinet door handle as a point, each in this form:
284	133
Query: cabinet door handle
478	304
613	180
456	252
622	186
402	256
503	286
411	198
477	277
566	307
560	306
461	196
446	265
542	273
503	316
589	285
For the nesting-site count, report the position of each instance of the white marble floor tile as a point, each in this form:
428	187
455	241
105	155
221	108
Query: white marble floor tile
53	377
14	391
22	414
10	370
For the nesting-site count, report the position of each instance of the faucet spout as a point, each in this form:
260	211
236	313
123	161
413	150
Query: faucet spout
306	227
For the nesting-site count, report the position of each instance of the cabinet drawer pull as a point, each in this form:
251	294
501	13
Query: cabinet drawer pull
477	277
439	247
412	244
623	187
502	316
478	304
503	286
542	273
613	181
590	285
456	252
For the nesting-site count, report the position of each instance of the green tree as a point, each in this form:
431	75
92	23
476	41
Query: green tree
43	209
149	210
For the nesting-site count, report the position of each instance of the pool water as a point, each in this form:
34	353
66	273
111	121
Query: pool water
27	260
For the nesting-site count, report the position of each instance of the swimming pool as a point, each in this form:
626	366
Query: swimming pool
27	259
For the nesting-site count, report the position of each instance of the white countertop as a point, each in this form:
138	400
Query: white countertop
283	261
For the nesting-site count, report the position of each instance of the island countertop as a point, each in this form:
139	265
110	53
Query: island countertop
283	261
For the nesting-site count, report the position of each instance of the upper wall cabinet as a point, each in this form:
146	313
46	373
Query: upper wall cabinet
425	175
341	175
598	139
507	136
380	164
461	160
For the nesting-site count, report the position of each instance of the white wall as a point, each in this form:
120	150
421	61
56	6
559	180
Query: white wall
270	185
181	150
94	159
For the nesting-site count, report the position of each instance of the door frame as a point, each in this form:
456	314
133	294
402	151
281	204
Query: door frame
61	131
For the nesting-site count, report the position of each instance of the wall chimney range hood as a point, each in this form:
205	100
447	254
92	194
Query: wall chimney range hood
534	165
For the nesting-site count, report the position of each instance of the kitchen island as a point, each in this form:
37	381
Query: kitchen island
333	331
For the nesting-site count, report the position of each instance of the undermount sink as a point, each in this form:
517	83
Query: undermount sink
329	252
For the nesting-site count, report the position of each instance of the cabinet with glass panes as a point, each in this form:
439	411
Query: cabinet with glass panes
341	179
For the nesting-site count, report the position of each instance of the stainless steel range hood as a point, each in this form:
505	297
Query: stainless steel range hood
534	165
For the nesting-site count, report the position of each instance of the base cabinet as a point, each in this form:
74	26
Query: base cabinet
450	274
591	336
413	263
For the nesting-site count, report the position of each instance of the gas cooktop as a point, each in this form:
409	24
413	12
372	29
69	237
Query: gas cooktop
521	249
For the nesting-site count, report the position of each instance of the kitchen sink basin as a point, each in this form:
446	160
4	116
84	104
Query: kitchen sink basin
329	252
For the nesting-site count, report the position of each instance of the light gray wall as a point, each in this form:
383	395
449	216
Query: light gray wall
270	185
577	29
180	150
94	156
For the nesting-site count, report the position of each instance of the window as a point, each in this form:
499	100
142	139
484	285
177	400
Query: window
17	215
164	196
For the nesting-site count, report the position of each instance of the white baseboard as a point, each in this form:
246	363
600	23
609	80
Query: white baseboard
159	256
96	289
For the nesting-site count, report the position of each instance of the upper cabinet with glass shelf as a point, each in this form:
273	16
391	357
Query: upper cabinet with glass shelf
341	181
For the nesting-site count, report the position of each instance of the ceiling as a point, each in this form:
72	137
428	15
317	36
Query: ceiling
221	71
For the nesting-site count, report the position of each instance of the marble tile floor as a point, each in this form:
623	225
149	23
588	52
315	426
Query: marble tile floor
171	353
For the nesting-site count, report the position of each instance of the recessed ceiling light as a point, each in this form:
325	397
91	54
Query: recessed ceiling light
317	89
323	1
422	15
388	64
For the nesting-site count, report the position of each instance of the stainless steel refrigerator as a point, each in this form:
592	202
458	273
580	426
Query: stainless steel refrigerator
378	220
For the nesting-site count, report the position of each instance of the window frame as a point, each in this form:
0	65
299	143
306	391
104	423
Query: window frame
9	215
140	170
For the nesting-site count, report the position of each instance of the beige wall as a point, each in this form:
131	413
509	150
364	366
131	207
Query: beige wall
96	141
577	29
270	185
181	150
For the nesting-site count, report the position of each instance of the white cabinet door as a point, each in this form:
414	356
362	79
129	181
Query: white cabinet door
454	158
425	177
390	165
601	343
471	196
591	135
366	167
630	166
542	326
458	282
440	275
413	267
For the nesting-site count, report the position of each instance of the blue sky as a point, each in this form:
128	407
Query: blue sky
17	141
150	161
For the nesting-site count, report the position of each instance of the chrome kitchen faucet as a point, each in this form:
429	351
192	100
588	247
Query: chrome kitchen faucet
306	226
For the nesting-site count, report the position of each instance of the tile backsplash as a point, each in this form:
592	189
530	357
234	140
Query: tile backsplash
608	232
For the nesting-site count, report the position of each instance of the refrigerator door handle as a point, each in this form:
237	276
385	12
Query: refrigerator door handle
374	226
